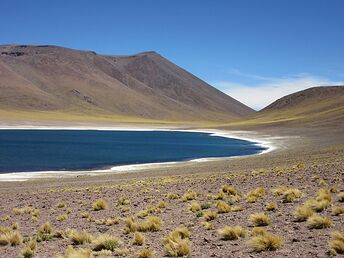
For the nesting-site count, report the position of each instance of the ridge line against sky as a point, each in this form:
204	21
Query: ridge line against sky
255	51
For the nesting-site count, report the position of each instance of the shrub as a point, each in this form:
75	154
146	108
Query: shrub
45	232
99	205
172	196
209	215
231	233
265	242
106	242
316	221
181	232
317	205
341	197
152	223
259	219
162	204
222	207
176	244
80	237
291	194
123	201
77	253
337	243
253	195
271	206
29	250
229	190
302	213
257	231
195	206
139	238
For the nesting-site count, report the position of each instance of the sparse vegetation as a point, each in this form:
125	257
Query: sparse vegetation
316	221
337	210
222	207
337	243
232	233
195	206
106	242
145	253
302	213
259	219
265	241
209	215
271	206
176	243
12	238
138	239
80	237
254	195
99	205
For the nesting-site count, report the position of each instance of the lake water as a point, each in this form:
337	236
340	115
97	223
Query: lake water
46	150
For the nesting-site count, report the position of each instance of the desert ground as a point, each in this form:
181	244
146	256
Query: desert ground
285	203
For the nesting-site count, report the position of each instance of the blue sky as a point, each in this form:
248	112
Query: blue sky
256	51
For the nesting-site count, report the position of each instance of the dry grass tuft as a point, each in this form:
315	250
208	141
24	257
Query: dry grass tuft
317	222
80	237
152	224
138	239
210	215
195	206
259	219
337	243
302	213
337	210
232	233
271	206
181	232
29	250
340	196
45	232
189	195
253	195
291	194
145	253
222	207
265	242
99	205
76	253
207	225
11	238
106	242
176	243
229	190
172	196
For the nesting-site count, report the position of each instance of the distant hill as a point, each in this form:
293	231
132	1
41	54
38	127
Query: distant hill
318	106
145	86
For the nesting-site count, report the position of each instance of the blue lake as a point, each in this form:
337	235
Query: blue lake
43	150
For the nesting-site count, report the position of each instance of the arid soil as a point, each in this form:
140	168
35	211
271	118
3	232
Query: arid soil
310	161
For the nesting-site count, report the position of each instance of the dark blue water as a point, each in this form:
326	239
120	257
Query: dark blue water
41	150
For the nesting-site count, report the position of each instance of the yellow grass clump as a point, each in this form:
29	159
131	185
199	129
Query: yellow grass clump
99	204
76	253
162	204
259	219
337	210
176	243
80	237
181	232
229	190
123	201
138	239
45	232
337	243
144	253
12	238
291	194
189	195
222	207
29	250
232	233
172	196
317	222
340	196
210	215
271	206
265	242
106	242
302	213
279	190
195	206
253	195
152	224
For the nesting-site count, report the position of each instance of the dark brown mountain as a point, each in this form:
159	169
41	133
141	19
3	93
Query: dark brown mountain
146	85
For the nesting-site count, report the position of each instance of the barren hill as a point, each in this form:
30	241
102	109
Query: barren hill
146	85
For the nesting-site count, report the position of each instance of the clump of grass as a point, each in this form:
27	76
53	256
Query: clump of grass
278	191
291	194
62	217
236	208
229	190
265	242
232	233
99	204
142	214
131	225
45	232
162	204
80	237
15	226
317	222
222	207
205	206
337	243
145	253
138	239
77	253
176	244
61	205
302	213
85	215
259	219
253	195
220	196
271	206
11	238
316	205
181	232
152	223
207	225
195	206
340	196
257	231
29	250
189	195
123	201
337	210
106	242
172	196
209	215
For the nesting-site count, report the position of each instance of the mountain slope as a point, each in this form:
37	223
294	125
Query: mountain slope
144	86
318	106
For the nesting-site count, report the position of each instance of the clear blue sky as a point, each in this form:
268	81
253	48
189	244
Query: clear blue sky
234	45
